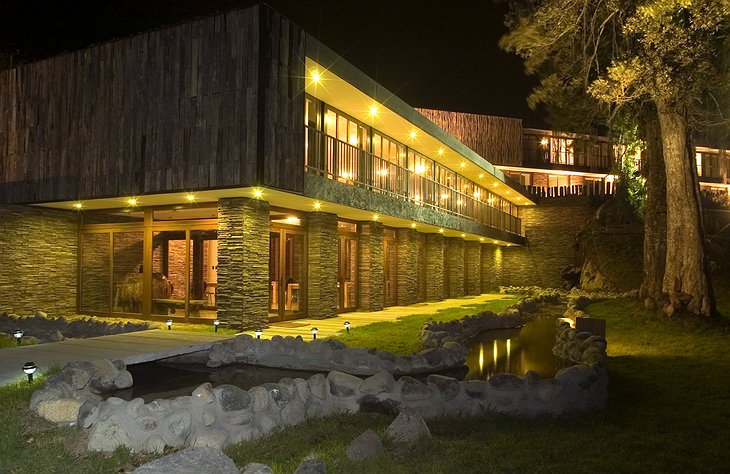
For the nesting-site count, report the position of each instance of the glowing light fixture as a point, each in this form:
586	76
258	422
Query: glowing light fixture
376	217
314	333
481	239
258	333
441	231
317	205
543	141
257	193
440	152
463	235
190	197
132	202
444	196
78	205
412	134
495	241
316	77
481	175
477	194
420	169
495	184
216	323
382	172
29	368
413	225
169	324
347	326
18	335
293	220
459	202
373	110
462	164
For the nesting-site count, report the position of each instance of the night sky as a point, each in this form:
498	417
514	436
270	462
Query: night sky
431	54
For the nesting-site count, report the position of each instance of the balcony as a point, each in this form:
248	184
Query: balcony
337	160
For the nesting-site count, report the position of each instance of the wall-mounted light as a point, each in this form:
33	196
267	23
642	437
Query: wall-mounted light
543	141
462	165
29	368
190	197
18	335
216	323
481	175
441	231
169	324
347	326
132	202
78	205
314	333
412	134
376	217
317	205
440	152
316	77
258	333
413	225
373	110
481	239
257	193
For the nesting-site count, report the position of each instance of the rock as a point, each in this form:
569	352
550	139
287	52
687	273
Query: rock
434	357
56	336
408	428
448	387
108	435
381	382
412	389
123	380
232	398
197	460
294	412
41	314
256	468
372	404
342	384
64	410
506	382
318	386
260	398
365	446
88	412
312	466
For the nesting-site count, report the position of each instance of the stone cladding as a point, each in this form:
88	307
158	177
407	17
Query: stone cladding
322	265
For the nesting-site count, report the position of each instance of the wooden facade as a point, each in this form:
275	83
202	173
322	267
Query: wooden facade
212	103
498	139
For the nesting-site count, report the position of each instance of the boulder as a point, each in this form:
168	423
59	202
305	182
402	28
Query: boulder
232	398
381	382
63	410
312	466
342	384
256	468
197	460
365	446
448	387
408	428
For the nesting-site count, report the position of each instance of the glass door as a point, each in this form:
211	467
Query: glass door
347	273
287	270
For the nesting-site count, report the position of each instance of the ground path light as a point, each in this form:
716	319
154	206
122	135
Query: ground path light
258	333
169	324
215	325
18	335
314	333
347	326
29	368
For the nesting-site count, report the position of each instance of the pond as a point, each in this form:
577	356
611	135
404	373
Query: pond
516	351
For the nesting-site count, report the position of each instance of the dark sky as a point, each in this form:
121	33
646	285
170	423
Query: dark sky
431	54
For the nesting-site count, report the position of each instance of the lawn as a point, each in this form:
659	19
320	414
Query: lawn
403	335
668	411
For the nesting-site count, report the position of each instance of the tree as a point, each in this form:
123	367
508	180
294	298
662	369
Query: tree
657	57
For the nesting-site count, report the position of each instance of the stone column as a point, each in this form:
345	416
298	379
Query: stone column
243	263
407	266
322	265
370	267
473	270
491	268
455	256
434	267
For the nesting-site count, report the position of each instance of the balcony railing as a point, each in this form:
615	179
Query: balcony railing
340	161
593	189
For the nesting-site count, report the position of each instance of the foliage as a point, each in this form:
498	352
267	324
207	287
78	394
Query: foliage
403	335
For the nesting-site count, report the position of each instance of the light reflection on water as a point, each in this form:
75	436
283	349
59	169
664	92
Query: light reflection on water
514	351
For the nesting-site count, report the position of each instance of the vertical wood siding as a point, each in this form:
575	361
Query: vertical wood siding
497	139
167	110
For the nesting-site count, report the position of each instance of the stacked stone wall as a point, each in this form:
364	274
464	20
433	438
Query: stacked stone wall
455	254
407	266
434	277
322	268
370	274
473	268
39	260
243	263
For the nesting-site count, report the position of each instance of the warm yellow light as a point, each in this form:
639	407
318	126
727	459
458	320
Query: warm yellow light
412	134
481	239
376	217
495	184
481	357
257	193
353	139
495	351
420	169
459	202
481	175
317	205
132	201
78	206
506	192
316	77
462	164
382	172
495	241
544	141
293	220
441	231
463	235
190	197
417	197
440	152
444	196
373	110
477	194
519	199
413	225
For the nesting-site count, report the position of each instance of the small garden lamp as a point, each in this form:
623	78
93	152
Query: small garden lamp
18	335
314	333
29	368
169	324
258	333
347	326
215	325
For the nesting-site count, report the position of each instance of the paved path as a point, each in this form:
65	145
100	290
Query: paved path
145	346
331	326
132	348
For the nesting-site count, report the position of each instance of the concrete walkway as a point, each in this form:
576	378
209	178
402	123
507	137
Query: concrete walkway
331	326
132	348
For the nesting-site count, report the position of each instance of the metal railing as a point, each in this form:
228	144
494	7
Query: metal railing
340	161
593	189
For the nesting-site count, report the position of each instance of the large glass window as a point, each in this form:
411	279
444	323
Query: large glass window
127	275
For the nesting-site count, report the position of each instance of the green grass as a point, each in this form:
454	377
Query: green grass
7	340
668	411
402	336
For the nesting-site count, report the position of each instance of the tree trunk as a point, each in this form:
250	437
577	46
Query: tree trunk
685	273
655	212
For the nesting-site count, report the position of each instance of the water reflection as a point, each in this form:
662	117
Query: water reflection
514	351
